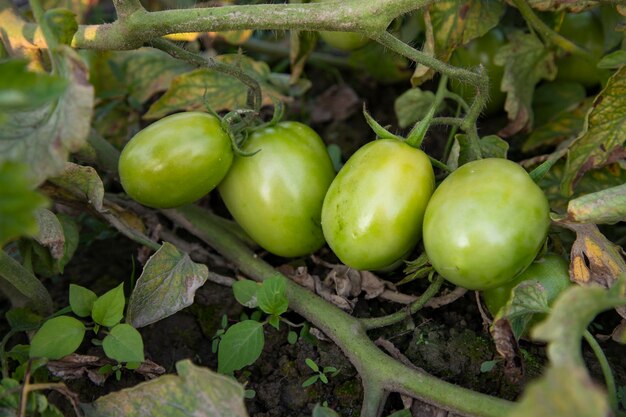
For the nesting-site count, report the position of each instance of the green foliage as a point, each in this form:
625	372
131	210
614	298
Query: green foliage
319	374
58	337
82	300
18	202
240	346
21	89
124	344
108	309
245	292
271	297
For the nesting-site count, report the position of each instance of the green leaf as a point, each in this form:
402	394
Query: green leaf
146	72
62	24
375	60
562	126
487	366
81	300
412	106
21	89
311	364
274	321
194	391
491	146
18	202
311	380
272	297
167	284
195	89
321	411
124	344
455	23
292	337
602	141
240	346
553	98
527	299
562	391
613	60
58	337
44	138
526	61
246	292
22	319
401	413
561	5
108	309
83	182
603	207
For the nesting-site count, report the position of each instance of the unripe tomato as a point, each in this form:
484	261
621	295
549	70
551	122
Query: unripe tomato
551	271
276	195
373	211
585	30
485	224
481	51
346	41
176	160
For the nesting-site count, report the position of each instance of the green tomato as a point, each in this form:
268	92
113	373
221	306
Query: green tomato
551	271
485	224
585	30
176	160
276	195
346	41
373	211
481	51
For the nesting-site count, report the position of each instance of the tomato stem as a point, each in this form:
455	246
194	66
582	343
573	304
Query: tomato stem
609	379
417	134
380	131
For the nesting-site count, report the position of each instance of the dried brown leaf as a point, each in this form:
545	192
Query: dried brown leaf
508	348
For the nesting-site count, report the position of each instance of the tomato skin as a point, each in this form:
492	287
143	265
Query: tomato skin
551	271
585	30
276	195
176	160
346	41
481	51
485	224
373	211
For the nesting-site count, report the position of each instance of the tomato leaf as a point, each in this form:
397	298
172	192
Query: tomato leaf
563	126
613	60
561	5
455	23
491	146
320	410
606	206
82	182
18	202
167	284
195	89
146	72
124	344
81	300
413	105
108	309
240	346
245	292
375	60
602	140
553	98
43	138
272	297
61	23
562	391
58	337
526	61
21	89
193	389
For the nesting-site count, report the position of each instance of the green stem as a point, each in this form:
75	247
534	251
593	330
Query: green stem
346	331
417	134
609	380
27	284
478	79
550	35
414	307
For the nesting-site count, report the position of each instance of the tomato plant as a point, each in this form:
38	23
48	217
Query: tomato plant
346	41
585	30
372	214
481	51
485	224
276	195
175	160
551	271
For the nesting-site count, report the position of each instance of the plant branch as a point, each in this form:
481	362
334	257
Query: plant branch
398	316
346	331
609	379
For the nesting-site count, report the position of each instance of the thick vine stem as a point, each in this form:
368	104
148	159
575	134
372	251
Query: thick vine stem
134	28
345	331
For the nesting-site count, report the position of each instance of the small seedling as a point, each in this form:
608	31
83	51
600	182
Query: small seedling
320	374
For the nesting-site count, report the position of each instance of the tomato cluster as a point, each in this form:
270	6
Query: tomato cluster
481	227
